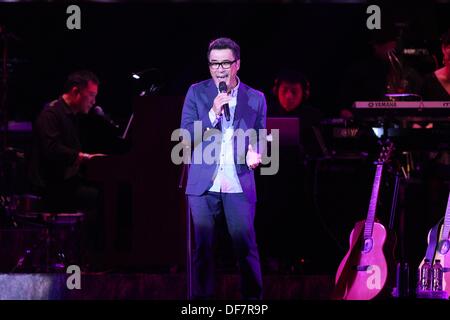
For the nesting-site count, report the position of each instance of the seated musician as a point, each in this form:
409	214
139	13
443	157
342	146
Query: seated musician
285	212
57	153
378	74
436	87
291	91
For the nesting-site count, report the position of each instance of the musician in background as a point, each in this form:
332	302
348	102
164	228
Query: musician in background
382	72
285	213
436	87
57	153
291	92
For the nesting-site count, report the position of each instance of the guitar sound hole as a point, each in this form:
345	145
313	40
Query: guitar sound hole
444	246
367	245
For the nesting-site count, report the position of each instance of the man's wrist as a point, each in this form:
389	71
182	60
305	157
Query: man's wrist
213	117
218	115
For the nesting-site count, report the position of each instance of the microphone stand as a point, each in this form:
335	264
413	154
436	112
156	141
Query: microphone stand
4	178
4	88
8	156
402	287
181	186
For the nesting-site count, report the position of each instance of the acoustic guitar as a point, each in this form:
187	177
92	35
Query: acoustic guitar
364	271
439	246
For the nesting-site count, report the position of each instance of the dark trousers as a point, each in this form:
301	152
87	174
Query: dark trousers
239	215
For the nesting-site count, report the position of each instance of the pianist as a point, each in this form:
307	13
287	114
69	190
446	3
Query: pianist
57	153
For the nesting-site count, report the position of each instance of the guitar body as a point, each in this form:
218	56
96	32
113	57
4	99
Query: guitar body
362	274
441	252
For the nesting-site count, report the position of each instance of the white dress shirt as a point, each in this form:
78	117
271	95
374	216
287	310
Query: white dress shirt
225	178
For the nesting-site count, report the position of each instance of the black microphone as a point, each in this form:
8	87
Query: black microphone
97	110
226	107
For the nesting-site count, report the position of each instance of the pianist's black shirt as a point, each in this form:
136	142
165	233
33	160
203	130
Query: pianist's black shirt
56	146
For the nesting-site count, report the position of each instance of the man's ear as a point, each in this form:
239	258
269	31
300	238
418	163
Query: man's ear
75	90
238	64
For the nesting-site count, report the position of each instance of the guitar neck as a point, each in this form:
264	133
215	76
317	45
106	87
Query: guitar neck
368	226
446	228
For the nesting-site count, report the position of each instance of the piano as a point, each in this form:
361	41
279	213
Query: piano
144	213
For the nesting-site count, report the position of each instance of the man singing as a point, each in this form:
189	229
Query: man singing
226	186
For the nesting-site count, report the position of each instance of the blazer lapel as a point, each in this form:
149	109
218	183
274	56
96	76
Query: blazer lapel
211	93
240	106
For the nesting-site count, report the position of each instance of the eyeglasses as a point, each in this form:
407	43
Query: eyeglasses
224	64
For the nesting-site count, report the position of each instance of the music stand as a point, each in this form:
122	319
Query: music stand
127	128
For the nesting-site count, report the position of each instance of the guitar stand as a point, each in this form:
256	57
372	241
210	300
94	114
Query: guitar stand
402	275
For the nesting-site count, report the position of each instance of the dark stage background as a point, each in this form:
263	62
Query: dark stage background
321	40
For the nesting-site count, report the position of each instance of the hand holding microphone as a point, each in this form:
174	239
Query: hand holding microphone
219	104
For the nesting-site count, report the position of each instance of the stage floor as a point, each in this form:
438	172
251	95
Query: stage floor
141	286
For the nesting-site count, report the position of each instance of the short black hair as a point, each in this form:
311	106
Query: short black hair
290	76
445	38
80	79
225	43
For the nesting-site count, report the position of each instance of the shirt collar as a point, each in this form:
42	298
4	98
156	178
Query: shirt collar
234	91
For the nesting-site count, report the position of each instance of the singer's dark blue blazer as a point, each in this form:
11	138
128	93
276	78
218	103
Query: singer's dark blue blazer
250	113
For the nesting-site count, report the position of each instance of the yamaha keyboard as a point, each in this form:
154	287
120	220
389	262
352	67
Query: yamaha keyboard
402	105
401	112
